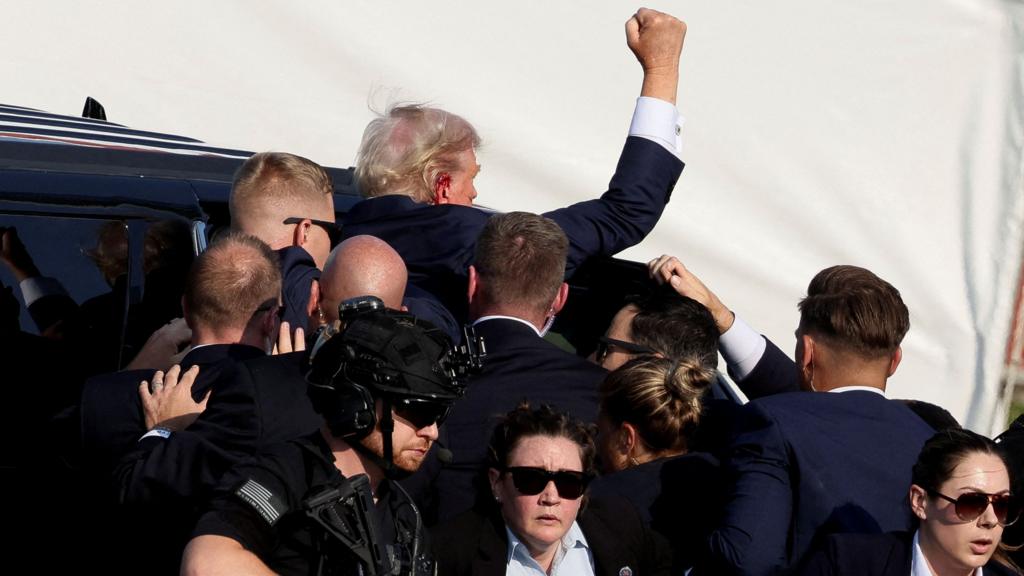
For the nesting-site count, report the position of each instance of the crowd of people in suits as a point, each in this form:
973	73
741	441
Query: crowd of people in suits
386	383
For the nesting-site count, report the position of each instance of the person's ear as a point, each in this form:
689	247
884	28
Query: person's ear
494	477
474	284
301	233
560	299
442	187
627	438
894	362
918	498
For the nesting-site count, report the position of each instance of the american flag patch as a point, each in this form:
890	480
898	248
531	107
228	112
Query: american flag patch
263	500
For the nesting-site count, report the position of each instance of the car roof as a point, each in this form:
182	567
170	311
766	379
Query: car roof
33	143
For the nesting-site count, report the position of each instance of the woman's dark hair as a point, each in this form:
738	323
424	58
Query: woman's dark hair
944	451
661	398
525	421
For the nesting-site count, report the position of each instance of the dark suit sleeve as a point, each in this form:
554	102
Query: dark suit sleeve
627	212
196	458
751	537
774	373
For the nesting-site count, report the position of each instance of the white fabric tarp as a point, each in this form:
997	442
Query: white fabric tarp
883	134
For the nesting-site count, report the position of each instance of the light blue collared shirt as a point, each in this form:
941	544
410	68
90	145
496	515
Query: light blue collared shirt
573	557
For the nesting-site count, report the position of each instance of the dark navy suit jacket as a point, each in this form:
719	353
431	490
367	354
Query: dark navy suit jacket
111	411
809	464
873	555
437	242
261	401
519	365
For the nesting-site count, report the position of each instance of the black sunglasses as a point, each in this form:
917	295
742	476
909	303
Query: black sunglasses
605	344
333	230
267	306
530	481
970	505
421	413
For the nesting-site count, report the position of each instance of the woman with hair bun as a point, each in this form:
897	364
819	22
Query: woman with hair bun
649	411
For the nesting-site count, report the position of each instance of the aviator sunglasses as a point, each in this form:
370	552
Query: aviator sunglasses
971	505
530	481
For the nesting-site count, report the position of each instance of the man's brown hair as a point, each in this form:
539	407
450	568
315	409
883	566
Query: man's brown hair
272	186
854	310
521	259
228	282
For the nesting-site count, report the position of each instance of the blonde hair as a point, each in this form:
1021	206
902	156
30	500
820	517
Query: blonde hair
661	398
407	148
272	186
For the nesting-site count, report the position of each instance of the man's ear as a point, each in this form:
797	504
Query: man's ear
918	498
894	362
560	298
442	186
301	233
474	284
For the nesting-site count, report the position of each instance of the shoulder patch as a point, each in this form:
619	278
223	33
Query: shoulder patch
266	503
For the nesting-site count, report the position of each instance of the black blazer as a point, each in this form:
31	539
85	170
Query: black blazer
519	365
476	544
805	465
873	555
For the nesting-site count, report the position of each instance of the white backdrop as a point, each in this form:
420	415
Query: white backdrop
878	133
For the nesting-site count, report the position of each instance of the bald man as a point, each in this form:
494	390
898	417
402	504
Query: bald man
367	266
362	266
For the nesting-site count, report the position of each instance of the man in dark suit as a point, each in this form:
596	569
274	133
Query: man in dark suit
515	289
231	303
807	465
421	203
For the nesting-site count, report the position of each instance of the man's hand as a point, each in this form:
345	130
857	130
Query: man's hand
286	344
656	39
163	346
168	403
669	269
14	254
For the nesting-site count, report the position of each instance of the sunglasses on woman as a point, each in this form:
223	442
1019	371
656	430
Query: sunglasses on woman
970	505
530	481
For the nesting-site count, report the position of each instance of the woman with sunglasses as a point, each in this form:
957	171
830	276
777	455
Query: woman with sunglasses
539	521
649	410
961	498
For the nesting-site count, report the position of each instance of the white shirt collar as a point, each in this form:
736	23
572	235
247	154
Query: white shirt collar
918	563
499	317
862	388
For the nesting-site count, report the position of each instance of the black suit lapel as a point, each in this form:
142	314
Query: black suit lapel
609	556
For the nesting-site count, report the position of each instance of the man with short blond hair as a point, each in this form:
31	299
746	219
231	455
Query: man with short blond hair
287	201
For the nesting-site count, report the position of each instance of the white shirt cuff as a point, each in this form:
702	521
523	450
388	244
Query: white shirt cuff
660	122
158	431
742	347
34	288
